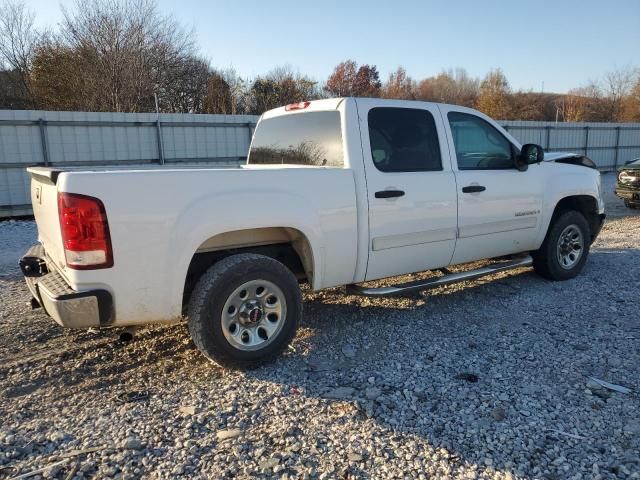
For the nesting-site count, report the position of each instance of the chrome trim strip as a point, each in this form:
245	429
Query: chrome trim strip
518	223
413	238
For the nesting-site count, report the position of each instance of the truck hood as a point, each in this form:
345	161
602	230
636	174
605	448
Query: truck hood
554	156
569	158
633	165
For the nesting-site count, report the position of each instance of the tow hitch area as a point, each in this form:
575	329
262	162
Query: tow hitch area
35	304
32	264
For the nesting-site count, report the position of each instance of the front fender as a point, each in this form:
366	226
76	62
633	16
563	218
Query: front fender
564	181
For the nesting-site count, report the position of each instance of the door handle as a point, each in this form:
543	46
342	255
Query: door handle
473	189
389	193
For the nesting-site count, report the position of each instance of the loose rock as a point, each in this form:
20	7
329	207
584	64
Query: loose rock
227	434
340	393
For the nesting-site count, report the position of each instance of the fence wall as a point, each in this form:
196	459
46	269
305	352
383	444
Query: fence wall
29	137
609	145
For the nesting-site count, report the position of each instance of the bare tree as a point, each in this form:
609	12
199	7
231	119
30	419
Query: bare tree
184	88
293	86
452	86
340	82
616	86
530	105
367	82
58	81
281	86
219	98
127	52
399	85
116	55
572	107
593	105
12	92
349	80
18	40
632	104
493	99
238	89
264	96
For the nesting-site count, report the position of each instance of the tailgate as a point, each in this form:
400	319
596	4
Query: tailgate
44	199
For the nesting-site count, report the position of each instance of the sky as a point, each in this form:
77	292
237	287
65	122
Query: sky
539	44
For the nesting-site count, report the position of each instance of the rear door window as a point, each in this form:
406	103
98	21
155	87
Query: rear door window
310	138
403	140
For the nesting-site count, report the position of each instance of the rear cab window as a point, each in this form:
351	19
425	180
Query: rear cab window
311	138
403	140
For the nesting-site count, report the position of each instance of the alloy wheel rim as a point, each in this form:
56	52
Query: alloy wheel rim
254	315
570	246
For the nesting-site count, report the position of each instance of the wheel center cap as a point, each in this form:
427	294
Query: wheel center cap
255	314
251	313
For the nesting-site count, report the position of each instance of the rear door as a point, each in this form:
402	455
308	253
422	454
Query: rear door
499	207
410	187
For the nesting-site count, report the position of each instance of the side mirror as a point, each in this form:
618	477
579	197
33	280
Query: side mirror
530	154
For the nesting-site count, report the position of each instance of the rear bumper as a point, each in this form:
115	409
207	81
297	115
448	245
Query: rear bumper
69	308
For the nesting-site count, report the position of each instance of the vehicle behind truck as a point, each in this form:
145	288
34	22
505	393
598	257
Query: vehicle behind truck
335	192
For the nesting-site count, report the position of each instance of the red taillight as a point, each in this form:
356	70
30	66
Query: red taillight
85	232
296	106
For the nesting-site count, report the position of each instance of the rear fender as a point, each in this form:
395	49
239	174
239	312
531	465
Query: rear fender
197	223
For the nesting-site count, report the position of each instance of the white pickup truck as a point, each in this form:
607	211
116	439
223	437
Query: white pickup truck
335	192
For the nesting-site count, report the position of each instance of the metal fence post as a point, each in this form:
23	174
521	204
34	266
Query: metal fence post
160	142
43	141
617	145
548	128
250	132
586	139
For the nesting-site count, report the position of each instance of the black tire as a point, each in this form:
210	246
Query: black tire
217	286
545	260
633	206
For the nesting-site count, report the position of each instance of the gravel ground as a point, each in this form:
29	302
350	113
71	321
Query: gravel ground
485	379
16	236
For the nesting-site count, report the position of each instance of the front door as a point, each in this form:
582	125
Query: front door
499	207
410	186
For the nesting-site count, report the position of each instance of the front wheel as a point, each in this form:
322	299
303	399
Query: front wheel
565	248
244	310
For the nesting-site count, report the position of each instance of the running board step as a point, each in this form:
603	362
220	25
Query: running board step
440	281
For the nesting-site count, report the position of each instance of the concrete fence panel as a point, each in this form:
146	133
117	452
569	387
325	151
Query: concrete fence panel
31	137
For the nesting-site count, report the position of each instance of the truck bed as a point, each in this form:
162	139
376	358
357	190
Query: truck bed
159	217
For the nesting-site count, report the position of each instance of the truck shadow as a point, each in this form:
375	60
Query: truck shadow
501	358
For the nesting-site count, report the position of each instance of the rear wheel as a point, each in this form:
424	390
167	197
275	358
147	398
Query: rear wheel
244	310
565	248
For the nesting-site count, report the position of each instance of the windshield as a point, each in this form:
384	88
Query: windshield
310	138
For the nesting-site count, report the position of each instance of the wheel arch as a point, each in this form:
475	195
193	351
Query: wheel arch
288	245
587	205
